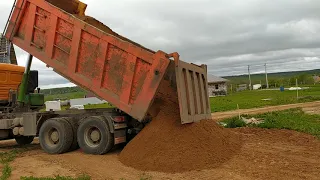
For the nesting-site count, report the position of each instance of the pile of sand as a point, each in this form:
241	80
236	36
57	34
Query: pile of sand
167	146
70	6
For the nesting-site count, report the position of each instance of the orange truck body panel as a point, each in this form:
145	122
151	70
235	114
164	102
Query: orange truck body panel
10	78
124	74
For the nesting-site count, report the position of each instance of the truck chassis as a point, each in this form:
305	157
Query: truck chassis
95	131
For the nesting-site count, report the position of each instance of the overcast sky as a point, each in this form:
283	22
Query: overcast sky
227	35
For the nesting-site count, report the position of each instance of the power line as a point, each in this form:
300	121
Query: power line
272	62
285	64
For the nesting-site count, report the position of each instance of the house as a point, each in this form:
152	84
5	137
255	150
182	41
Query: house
217	85
316	79
89	95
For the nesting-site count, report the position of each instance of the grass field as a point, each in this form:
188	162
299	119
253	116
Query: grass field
293	119
97	106
245	99
253	99
71	95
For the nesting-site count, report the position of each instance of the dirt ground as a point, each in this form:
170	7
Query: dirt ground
308	107
265	154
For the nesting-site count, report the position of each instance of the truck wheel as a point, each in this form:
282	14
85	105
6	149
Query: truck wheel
55	136
24	140
94	136
74	124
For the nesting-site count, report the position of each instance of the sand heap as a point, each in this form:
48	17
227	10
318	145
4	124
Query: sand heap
70	6
167	146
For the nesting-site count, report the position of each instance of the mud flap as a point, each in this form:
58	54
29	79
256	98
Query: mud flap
192	87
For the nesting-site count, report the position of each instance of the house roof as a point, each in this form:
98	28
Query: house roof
213	79
90	94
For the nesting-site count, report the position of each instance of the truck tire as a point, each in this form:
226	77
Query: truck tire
94	136
24	140
74	124
55	136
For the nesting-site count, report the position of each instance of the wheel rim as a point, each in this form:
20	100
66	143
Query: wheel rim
52	137
92	136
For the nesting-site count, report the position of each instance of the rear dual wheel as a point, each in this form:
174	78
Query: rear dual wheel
94	136
74	124
58	135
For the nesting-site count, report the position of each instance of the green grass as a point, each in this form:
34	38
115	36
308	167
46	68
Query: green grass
245	99
97	106
293	119
6	172
72	95
281	78
63	108
234	122
145	176
82	177
88	106
5	159
253	99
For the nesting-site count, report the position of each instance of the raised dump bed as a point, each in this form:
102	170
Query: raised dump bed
113	67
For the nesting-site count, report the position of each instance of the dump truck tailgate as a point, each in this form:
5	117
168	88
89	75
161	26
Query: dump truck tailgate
192	90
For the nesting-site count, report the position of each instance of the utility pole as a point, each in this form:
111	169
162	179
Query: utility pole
265	66
297	89
249	77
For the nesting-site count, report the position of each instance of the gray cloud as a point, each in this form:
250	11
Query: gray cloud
47	77
227	35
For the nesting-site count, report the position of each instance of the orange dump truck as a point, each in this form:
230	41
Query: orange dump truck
136	80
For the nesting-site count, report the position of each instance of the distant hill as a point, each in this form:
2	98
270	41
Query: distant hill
63	90
281	78
304	77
